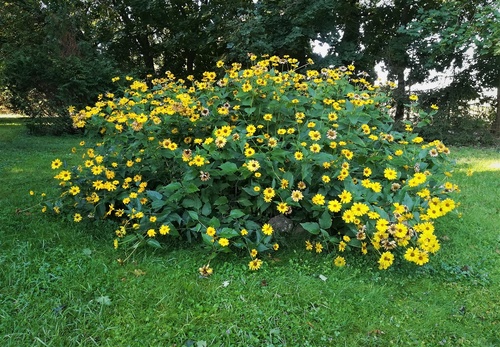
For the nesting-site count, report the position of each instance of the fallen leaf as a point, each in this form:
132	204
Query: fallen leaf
139	272
376	332
104	300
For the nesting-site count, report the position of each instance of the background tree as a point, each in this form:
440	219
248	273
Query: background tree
461	39
60	52
48	62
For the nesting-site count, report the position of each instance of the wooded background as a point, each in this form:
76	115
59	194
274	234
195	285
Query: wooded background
57	53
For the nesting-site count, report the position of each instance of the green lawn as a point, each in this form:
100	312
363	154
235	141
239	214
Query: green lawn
61	283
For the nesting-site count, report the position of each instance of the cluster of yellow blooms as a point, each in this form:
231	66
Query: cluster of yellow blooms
293	144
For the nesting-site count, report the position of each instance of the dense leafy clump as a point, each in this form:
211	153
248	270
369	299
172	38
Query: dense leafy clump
218	159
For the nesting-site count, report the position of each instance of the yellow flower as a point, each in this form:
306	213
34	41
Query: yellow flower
269	192
211	231
74	190
246	87
249	152
318	247
253	165
198	160
151	233
413	97
284	183
276	246
315	148
386	260
244	232
314	135
255	264
77	217
298	155
223	242
297	195
56	164
359	209
205	270
63	175
267	229
318	199
164	229
282	207
390	174
345	197
339	261
422	258
334	206
253	253
348	216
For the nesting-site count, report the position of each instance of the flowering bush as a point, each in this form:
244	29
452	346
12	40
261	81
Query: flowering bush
215	160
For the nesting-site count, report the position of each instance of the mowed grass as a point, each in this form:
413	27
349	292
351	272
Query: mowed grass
61	283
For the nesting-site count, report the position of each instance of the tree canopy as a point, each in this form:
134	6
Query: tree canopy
57	53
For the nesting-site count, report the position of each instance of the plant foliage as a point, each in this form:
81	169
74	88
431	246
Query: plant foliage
216	160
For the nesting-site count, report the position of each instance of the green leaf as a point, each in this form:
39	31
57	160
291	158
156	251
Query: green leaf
306	173
207	239
170	188
175	217
251	225
154	195
349	106
311	227
250	191
228	168
245	202
250	110
192	202
279	154
158	204
191	188
207	209
325	221
228	233
153	243
357	140
221	200
214	222
236	213
193	215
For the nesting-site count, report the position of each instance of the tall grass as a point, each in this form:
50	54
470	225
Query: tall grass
61	283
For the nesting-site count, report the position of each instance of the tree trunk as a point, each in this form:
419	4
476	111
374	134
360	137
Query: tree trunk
399	96
147	56
495	127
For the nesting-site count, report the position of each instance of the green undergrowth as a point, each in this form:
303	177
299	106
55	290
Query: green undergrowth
62	284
